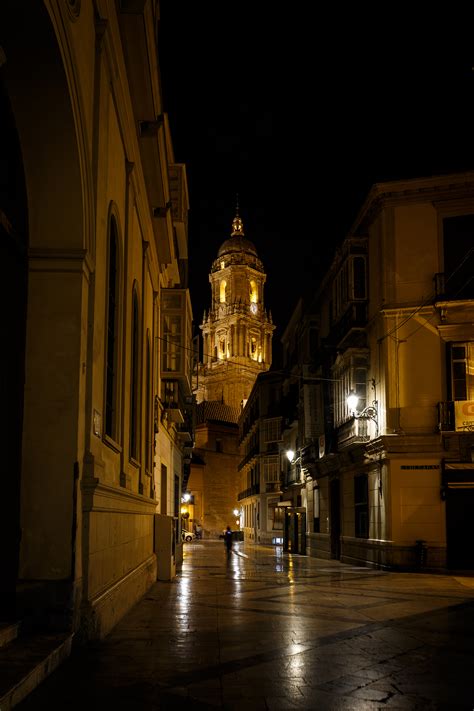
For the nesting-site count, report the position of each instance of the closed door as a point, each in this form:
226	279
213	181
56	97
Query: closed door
460	528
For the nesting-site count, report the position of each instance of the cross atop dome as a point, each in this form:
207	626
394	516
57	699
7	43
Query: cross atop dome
237	224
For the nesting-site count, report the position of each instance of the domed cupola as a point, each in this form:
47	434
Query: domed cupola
237	242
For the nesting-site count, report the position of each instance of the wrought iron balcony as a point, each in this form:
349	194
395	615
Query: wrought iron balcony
352	432
446	419
251	491
352	322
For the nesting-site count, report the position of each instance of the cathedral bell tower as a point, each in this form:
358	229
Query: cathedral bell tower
237	331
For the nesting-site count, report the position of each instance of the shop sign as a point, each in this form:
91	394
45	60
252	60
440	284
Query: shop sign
464	415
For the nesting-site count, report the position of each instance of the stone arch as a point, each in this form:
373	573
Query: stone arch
37	78
222	291
253	292
49	121
113	321
13	309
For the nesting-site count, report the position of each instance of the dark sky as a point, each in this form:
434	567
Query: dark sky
299	110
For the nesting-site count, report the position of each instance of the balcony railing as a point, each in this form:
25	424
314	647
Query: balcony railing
293	475
173	400
352	432
446	419
355	317
253	451
251	491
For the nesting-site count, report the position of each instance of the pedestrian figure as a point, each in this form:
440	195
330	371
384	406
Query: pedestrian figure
198	530
228	539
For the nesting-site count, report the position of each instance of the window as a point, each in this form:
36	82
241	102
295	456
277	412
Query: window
458	233
361	505
278	518
253	292
253	348
272	430
171	343
111	345
271	470
360	387
176	331
148	396
134	378
462	371
350	375
359	278
222	288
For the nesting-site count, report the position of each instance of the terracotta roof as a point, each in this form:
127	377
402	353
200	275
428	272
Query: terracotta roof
217	411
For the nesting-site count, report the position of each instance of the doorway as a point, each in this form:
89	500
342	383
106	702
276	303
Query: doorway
460	527
295	531
13	301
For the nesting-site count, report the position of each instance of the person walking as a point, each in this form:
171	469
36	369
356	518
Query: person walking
228	535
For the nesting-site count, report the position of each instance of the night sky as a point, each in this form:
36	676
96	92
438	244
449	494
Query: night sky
300	110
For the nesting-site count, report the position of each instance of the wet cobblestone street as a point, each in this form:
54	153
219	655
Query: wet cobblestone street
261	629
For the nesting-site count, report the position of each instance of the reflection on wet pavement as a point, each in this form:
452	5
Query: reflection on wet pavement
263	629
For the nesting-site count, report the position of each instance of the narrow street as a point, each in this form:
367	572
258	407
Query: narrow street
261	629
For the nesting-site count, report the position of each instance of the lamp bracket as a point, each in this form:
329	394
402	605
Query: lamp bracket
370	412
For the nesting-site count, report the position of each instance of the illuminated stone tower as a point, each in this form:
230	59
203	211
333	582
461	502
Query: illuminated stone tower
237	331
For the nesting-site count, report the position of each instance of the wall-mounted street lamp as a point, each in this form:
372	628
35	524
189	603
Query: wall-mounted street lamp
290	454
186	497
371	412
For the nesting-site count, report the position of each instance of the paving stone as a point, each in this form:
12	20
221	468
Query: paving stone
243	637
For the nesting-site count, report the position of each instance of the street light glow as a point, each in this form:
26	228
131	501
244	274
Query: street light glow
352	401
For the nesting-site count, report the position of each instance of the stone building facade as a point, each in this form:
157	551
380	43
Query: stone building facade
93	222
387	481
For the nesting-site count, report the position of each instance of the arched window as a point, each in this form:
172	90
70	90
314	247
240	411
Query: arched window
222	287
112	326
134	377
253	292
148	417
253	348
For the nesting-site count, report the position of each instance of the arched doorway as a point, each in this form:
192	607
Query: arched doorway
13	303
43	245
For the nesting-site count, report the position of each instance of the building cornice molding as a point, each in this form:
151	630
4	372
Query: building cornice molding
446	188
